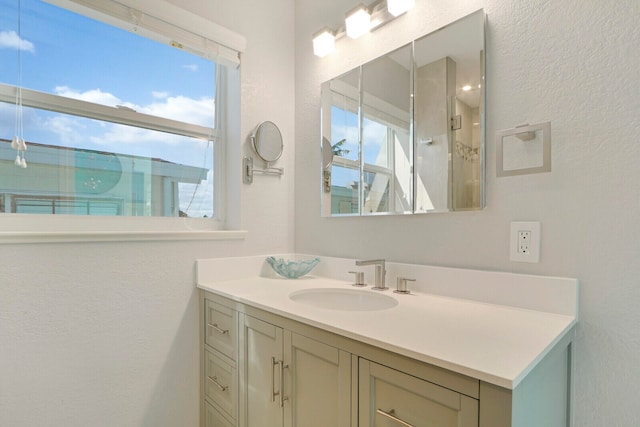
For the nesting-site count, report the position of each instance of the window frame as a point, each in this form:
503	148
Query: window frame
32	228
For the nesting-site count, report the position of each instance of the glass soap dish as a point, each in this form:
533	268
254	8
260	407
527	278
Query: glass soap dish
292	269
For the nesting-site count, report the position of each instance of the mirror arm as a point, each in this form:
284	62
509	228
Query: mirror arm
248	170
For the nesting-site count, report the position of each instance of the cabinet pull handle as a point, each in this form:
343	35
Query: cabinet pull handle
220	386
215	326
274	393
391	415
282	368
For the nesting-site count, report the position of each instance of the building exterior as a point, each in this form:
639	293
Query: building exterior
60	180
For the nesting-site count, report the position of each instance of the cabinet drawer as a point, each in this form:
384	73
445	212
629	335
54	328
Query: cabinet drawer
221	328
389	398
220	384
213	418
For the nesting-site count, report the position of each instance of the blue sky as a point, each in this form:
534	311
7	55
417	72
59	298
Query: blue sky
82	54
344	125
70	55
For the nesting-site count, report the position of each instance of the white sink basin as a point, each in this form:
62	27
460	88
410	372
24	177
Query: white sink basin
343	299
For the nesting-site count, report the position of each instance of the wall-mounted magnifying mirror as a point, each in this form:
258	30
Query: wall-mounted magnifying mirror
327	154
268	145
267	142
407	129
327	161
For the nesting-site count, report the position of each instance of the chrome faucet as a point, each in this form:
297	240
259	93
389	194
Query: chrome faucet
380	272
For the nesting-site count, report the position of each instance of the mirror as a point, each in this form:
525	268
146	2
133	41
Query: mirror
386	134
267	142
340	126
406	130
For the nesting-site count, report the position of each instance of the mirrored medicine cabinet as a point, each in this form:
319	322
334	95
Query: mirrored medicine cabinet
404	133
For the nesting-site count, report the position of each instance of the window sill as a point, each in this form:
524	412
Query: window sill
16	237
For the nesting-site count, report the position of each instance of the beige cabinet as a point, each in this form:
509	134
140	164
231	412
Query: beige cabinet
264	370
219	373
388	397
221	329
319	383
220	384
261	371
291	380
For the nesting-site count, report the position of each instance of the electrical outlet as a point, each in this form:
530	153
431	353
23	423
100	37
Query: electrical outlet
524	237
525	242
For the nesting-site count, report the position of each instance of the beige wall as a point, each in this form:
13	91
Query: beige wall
572	63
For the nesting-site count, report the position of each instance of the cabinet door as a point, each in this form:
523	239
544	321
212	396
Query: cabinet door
213	418
318	384
389	398
260	350
220	384
221	328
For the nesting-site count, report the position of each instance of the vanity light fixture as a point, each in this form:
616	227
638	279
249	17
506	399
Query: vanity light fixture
324	41
398	7
358	21
466	88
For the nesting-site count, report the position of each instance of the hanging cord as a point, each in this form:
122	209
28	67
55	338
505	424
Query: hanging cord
212	138
195	189
18	142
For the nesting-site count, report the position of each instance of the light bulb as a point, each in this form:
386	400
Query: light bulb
358	21
398	7
324	42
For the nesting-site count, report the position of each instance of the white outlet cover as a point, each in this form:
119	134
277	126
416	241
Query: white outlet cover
534	242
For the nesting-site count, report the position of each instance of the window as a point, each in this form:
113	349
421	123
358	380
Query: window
115	124
384	136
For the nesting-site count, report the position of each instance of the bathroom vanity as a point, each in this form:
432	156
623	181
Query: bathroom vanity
274	354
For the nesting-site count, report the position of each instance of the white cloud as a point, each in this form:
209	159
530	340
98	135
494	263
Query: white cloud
11	40
373	133
7	120
94	95
70	130
181	108
198	111
121	134
191	67
159	95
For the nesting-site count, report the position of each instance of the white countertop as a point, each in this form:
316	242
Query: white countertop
493	343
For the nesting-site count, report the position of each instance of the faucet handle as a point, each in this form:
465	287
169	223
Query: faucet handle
359	278
401	285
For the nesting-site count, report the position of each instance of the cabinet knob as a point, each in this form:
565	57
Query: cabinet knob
401	285
359	278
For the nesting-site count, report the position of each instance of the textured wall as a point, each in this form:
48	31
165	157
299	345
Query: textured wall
572	63
106	335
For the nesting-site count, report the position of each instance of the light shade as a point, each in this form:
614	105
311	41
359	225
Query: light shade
358	21
324	41
398	7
